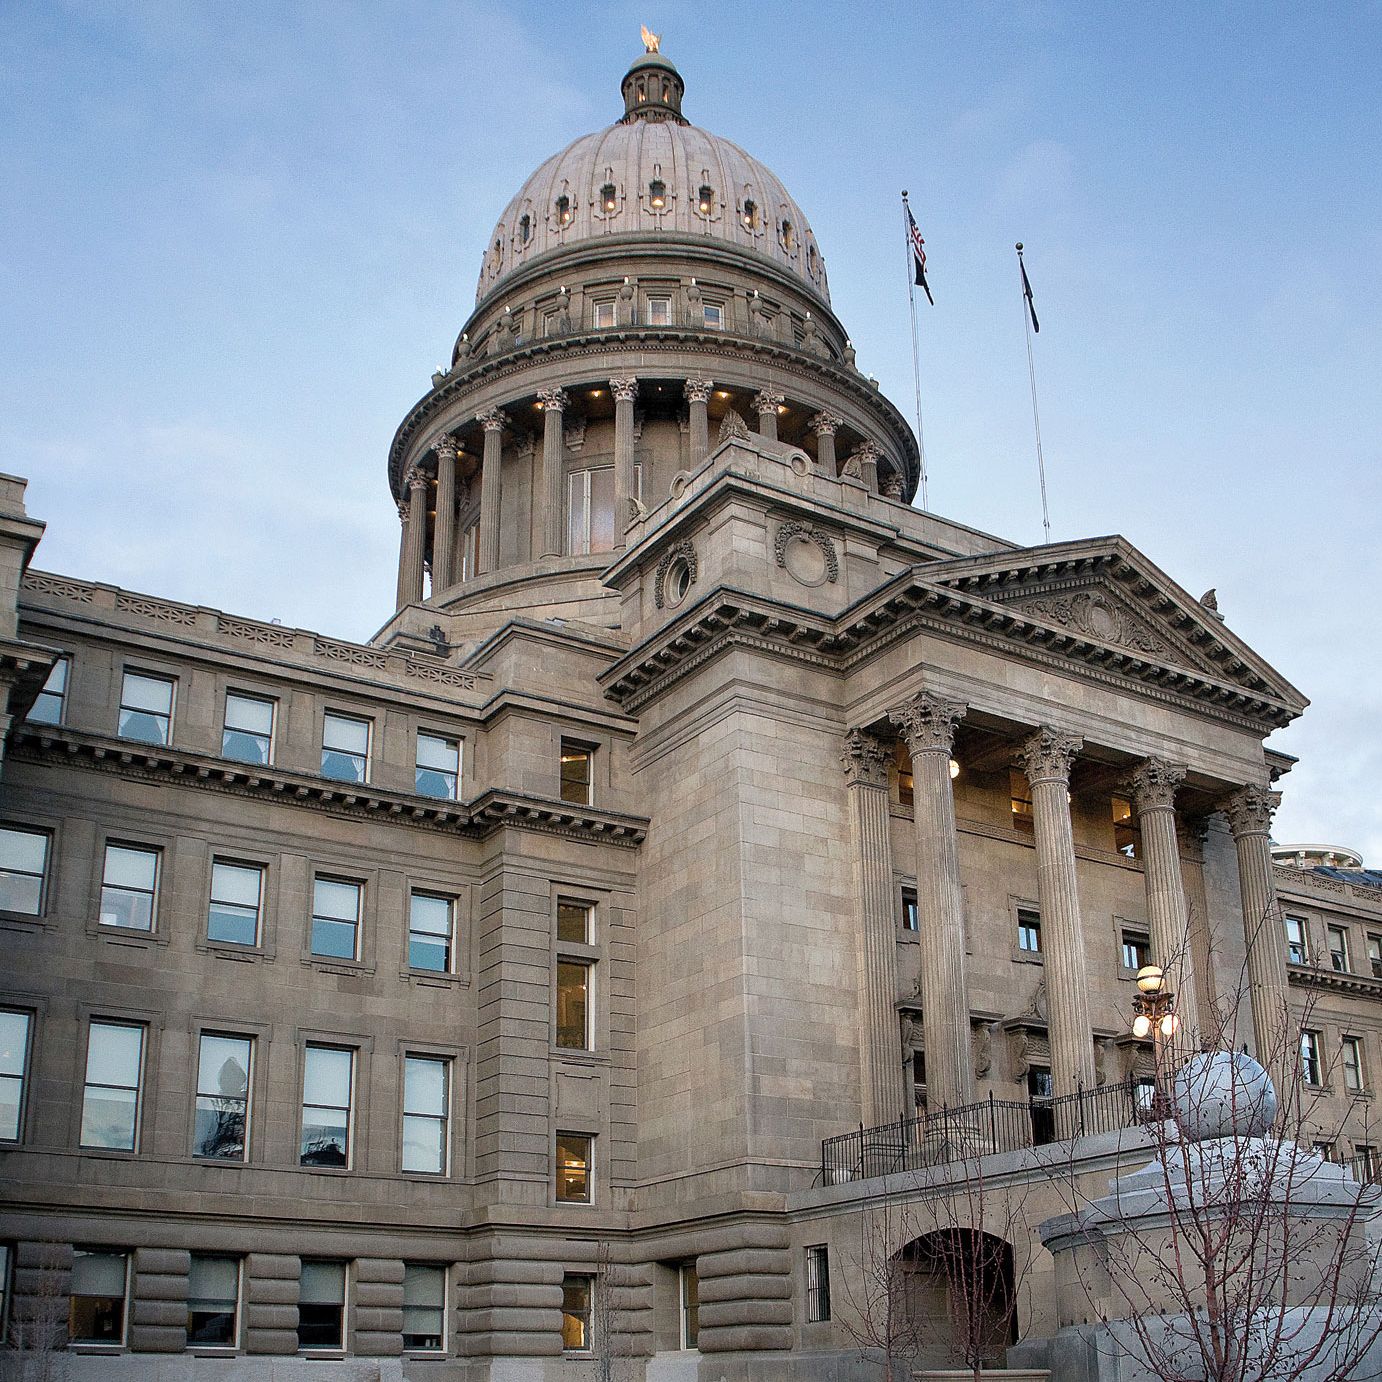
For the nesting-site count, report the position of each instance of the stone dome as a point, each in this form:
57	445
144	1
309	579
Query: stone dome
651	176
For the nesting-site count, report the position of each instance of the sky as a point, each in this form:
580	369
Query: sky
235	240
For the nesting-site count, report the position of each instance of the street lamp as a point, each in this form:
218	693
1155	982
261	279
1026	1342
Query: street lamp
1154	1015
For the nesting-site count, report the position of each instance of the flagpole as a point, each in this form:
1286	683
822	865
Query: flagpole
1031	379
916	356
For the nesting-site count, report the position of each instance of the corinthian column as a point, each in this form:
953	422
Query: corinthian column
825	425
866	773
928	725
414	554
550	526
697	397
1046	758
444	533
767	403
625	390
402	597
493	421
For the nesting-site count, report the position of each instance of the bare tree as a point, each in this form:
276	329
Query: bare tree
34	1346
879	1312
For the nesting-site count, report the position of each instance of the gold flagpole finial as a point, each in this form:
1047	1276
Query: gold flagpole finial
652	43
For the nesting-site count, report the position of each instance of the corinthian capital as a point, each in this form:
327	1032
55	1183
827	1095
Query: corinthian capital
865	760
698	390
928	722
824	423
445	447
624	387
492	419
1153	784
416	479
553	400
1249	809
766	401
1049	755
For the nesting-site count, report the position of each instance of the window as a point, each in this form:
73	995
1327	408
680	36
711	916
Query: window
1297	943
659	311
818	1283
573	1005
1364	1161
430	921
146	708
213	1302
14	1069
424	1308
4	1290
919	1074
426	1118
1375	955
51	704
910	920
577	1293
714	313
1029	930
321	1304
221	1127
590	511
750	215
468	549
1323	1149
1338	949
1144	1097
438	766
602	314
23	870
111	1096
1137	951
563	210
1021	793
609	198
328	1079
1040	1090
1310	1057
234	911
789	237
705	199
525	228
1351	1057
129	887
577	761
248	735
345	748
573	1168
335	919
1127	832
574	921
690	1294
906	782
100	1282
657	194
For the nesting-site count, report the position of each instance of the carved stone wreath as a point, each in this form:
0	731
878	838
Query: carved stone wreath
787	532
683	551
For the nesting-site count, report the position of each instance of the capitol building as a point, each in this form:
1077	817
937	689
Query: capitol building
554	986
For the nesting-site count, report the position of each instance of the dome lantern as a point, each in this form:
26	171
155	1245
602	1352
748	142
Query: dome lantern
652	87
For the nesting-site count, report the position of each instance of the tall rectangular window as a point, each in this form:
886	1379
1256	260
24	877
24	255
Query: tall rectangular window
1137	951
1020	802
575	921
146	708
1351	1058
1297	942
1127	832
910	919
129	887
51	705
906	777
224	1067
1310	1057
424	1308
1029	930
236	908
468	552
426	1113
602	314
112	1094
1338	949
15	1029
659	311
100	1285
328	1084
336	918
714	313
23	870
573	1167
1375	955
321	1305
577	772
573	1005
248	734
818	1283
430	931
577	1297
213	1301
345	748
438	772
690	1293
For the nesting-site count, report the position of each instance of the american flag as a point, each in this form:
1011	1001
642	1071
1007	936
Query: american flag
918	256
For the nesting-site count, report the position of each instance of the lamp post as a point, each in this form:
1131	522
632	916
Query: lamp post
1154	1015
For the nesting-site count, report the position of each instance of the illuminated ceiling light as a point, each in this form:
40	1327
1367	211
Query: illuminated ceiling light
781	407
954	770
721	393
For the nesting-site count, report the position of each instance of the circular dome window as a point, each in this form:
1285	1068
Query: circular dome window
678	582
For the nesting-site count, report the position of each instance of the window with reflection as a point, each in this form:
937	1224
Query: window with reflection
15	1029
129	887
213	1301
1137	950
1297	941
714	313
573	1168
112	1089
426	1113
659	311
336	918
430	927
345	747
424	1308
146	708
235	909
23	870
573	1005
321	1305
590	510
1029	930
577	772
328	1083
438	772
221	1129
248	734
51	705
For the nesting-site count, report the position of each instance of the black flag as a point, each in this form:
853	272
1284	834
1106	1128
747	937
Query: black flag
1027	290
918	257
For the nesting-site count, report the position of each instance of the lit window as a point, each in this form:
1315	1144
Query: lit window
234	912
906	783
577	1291
129	887
426	1113
817	1283
1021	795
328	1081
424	1308
657	194
577	761
690	1298
563	209
1137	951
1351	1057
909	910
590	509
100	1284
111	1094
1127	832
714	313
705	200
438	771
573	1005
609	198
51	704
146	708
1310	1057
573	1168
750	215
221	1129
23	870
345	748
248	735
602	314
1297	944
430	921
321	1305
789	237
1029	930
336	919
14	1071
1338	949
659	311
574	921
213	1302
1375	955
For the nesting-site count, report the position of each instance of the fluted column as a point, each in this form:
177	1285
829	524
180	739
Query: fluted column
767	403
493	420
928	725
444	532
1047	758
1249	811
414	548
550	517
697	397
882	1095
625	391
402	596
825	425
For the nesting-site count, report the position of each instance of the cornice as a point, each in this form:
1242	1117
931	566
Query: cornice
1358	985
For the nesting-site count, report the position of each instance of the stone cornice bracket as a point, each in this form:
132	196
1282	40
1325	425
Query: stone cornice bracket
492	419
865	760
445	445
1153	784
928	722
766	401
417	479
698	390
827	423
1049	755
554	400
1249	810
624	387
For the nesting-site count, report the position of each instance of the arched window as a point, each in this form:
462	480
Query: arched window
642	93
563	210
666	88
705	200
657	194
609	198
750	215
811	257
498	255
525	228
788	236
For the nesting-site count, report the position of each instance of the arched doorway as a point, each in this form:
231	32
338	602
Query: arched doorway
960	1291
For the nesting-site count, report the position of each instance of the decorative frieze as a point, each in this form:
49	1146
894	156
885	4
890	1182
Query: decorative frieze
161	610
250	631
43	583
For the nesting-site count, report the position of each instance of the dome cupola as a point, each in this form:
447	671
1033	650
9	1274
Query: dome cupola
653	87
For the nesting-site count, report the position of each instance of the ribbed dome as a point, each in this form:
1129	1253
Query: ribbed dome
653	175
